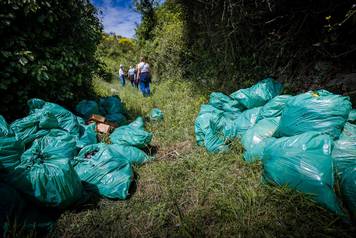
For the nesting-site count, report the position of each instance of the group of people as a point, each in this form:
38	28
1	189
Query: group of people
139	76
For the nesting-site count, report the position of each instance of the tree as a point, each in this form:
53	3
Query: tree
47	50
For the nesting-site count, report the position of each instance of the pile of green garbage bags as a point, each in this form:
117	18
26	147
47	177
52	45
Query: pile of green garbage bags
52	159
306	142
110	107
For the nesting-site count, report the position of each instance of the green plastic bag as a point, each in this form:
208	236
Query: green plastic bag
214	140
118	118
104	171
86	108
156	114
138	123
352	116
14	210
254	139
66	119
237	124
33	126
344	155
274	107
259	94
111	105
202	122
45	173
224	102
303	163
5	130
131	135
319	111
11	148
348	189
87	134
131	153
344	151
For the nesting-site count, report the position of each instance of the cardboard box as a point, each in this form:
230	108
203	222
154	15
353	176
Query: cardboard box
103	128
97	118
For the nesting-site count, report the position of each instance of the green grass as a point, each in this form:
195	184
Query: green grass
187	192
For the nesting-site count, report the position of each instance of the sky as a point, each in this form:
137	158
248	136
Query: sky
118	16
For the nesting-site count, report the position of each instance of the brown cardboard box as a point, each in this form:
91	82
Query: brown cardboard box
103	128
97	118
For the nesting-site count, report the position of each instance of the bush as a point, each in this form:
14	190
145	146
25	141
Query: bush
47	49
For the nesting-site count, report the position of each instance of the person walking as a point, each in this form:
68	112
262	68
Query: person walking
137	80
122	75
144	76
131	74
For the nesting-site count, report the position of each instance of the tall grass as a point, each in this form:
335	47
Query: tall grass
187	192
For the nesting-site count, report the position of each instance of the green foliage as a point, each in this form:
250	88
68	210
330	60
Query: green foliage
47	50
114	50
167	49
146	8
236	42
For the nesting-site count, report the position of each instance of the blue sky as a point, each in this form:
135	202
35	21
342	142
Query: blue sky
118	16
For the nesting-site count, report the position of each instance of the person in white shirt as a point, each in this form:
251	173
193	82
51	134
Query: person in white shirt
144	76
132	77
122	75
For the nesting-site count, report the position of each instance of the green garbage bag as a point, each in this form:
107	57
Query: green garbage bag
111	105
214	140
344	155
274	107
104	171
254	139
303	163
117	118
11	148
352	116
237	124
87	134
348	189
86	108
45	173
14	210
66	119
344	151
314	111
138	123
224	102
202	122
33	126
131	153
156	114
5	130
131	135
259	94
